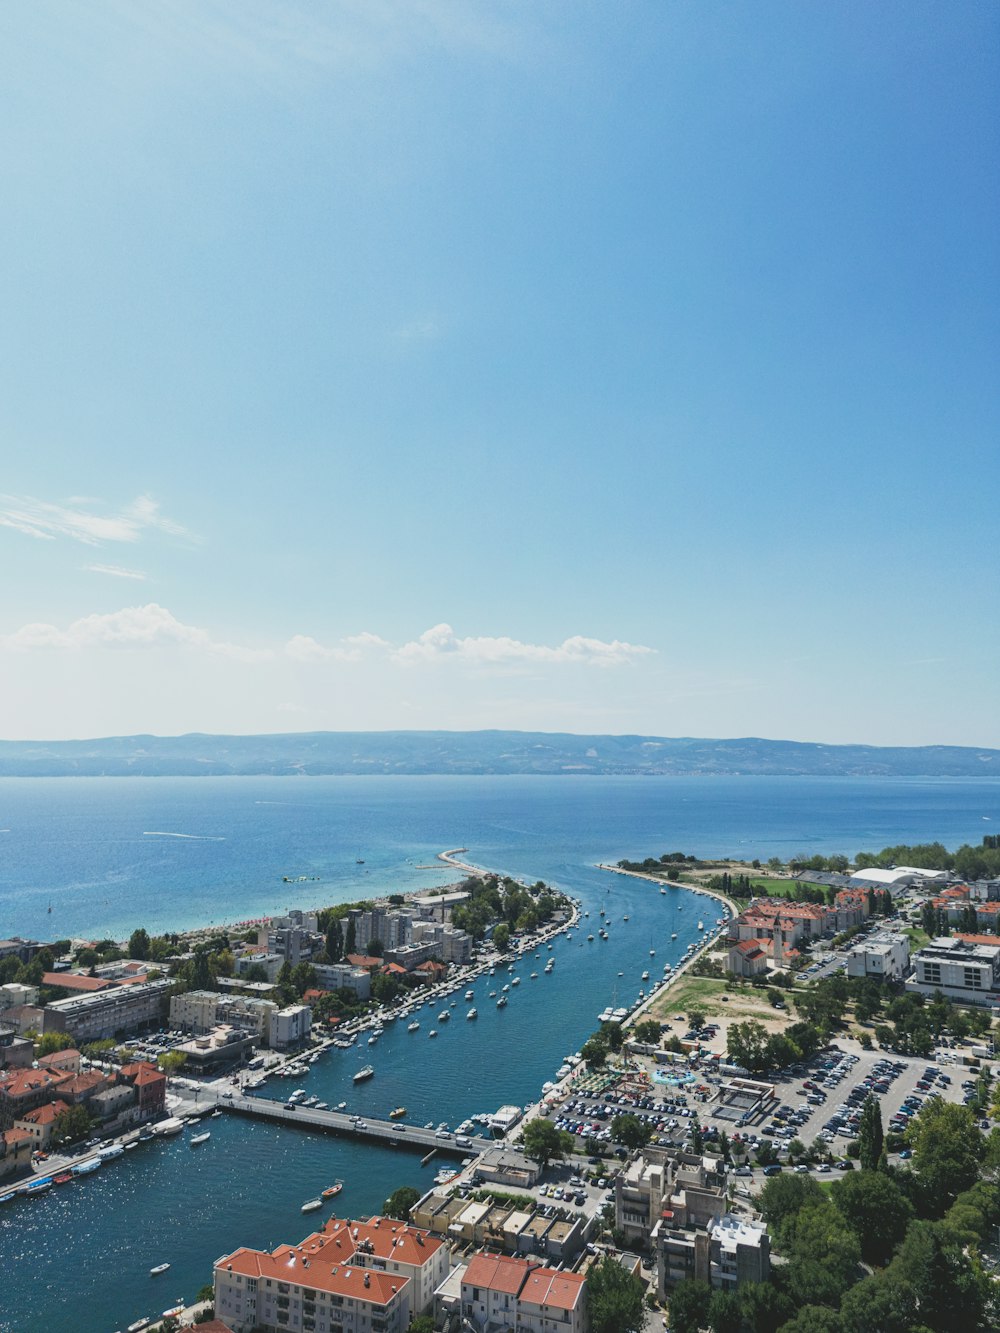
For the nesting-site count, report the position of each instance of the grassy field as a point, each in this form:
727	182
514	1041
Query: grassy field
918	937
781	888
711	994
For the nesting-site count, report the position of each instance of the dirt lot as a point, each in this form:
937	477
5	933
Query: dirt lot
719	1004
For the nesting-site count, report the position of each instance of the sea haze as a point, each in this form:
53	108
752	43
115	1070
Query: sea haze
479	752
110	854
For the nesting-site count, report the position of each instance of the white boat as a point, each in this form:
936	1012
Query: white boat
311	1205
701	925
432	1033
412	1027
362	1074
160	1268
517	980
444	1016
645	976
138	1325
674	935
470	995
502	1002
169	1126
473	1013
174	1311
200	1138
534	976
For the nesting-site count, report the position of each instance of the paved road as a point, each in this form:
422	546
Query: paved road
337	1122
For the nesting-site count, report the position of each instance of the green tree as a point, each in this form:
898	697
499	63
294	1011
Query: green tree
138	944
614	1298
871	1138
784	1197
823	1255
400	1201
815	1319
421	1323
725	1312
765	1308
613	1035
947	1149
171	1061
350	940
882	1303
648	1032
689	1304
335	940
630	1131
72	1124
543	1142
746	1045
948	1292
501	936
594	1050
50	1042
875	1209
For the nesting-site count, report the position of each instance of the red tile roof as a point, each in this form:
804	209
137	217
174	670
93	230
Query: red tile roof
293	1264
546	1286
21	1082
495	1272
44	1115
978	939
74	981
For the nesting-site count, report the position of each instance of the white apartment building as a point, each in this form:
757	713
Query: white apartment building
289	1026
344	976
961	968
504	1293
884	955
287	1290
351	1277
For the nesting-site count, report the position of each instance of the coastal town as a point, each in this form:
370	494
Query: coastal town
642	1175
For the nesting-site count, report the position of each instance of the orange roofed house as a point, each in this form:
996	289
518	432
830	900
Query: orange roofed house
351	1277
501	1293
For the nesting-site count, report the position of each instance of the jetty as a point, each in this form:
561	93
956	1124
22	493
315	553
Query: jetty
389	1133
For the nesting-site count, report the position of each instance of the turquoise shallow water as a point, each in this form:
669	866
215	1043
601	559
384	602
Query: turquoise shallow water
79	1258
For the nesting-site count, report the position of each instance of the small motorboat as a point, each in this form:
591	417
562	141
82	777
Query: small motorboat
158	1269
200	1138
311	1205
333	1190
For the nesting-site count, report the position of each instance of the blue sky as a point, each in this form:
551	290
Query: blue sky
594	368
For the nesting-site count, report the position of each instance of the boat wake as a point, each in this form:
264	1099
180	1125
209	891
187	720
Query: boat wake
192	837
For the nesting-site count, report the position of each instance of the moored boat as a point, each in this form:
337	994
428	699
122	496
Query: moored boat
200	1138
311	1205
362	1074
398	1113
159	1268
333	1190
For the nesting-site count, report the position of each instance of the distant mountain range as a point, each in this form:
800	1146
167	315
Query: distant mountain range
479	752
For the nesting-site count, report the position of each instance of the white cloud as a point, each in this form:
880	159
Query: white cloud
153	625
441	642
304	648
79	519
132	627
116	571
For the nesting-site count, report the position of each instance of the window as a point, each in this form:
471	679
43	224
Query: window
932	973
973	978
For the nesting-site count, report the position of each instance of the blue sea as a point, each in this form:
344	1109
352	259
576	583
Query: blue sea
110	854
